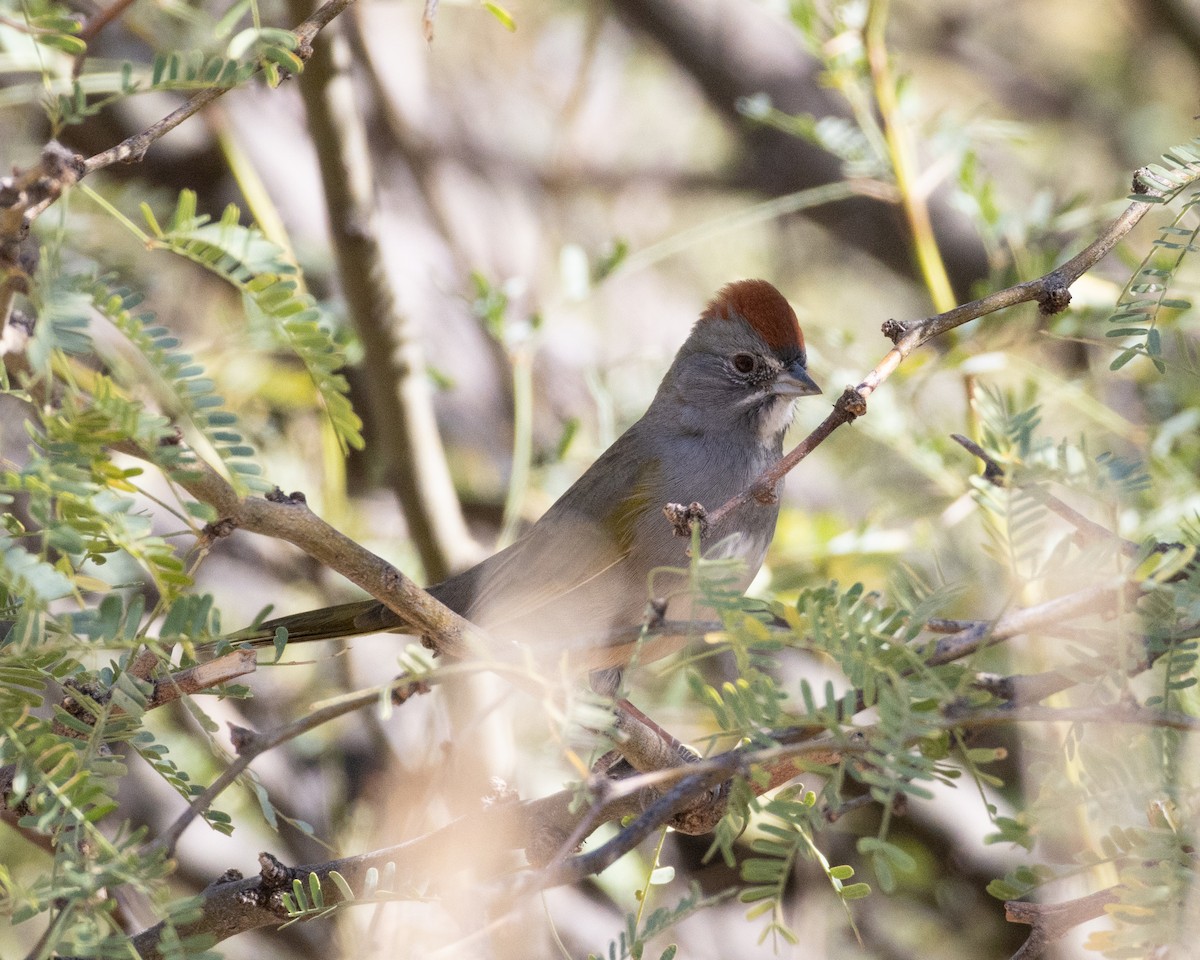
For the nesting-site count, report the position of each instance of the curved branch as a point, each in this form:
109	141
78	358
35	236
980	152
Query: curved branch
288	518
1052	921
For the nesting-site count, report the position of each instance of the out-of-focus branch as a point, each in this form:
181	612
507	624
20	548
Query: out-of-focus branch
903	157
546	828
27	194
94	24
251	746
397	383
540	826
1052	921
1092	599
1178	20
735	50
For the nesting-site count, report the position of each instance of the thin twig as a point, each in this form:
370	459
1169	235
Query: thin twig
1052	292
133	149
94	25
252	746
1088	529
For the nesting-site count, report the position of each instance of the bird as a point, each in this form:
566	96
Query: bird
585	571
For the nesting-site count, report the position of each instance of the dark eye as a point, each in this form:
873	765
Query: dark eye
744	363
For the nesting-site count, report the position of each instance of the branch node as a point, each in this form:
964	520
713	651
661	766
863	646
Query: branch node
703	816
894	330
405	690
62	164
992	471
852	403
273	872
293	498
656	613
232	875
682	518
545	844
1056	297
275	879
1144	183
242	739
500	794
219	529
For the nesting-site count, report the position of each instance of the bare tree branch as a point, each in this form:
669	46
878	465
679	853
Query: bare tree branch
288	518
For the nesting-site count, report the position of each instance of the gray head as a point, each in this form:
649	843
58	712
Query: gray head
741	367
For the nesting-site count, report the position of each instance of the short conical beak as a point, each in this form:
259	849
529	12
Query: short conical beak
794	381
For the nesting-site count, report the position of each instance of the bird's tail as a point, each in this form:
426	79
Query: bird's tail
343	620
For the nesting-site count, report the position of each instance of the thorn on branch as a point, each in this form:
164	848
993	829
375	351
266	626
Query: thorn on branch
682	518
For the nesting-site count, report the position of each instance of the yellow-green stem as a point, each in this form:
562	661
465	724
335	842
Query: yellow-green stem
902	155
637	923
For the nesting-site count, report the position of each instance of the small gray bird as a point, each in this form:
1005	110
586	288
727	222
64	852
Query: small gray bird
587	568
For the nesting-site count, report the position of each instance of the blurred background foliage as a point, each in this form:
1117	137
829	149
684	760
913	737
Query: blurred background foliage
556	202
